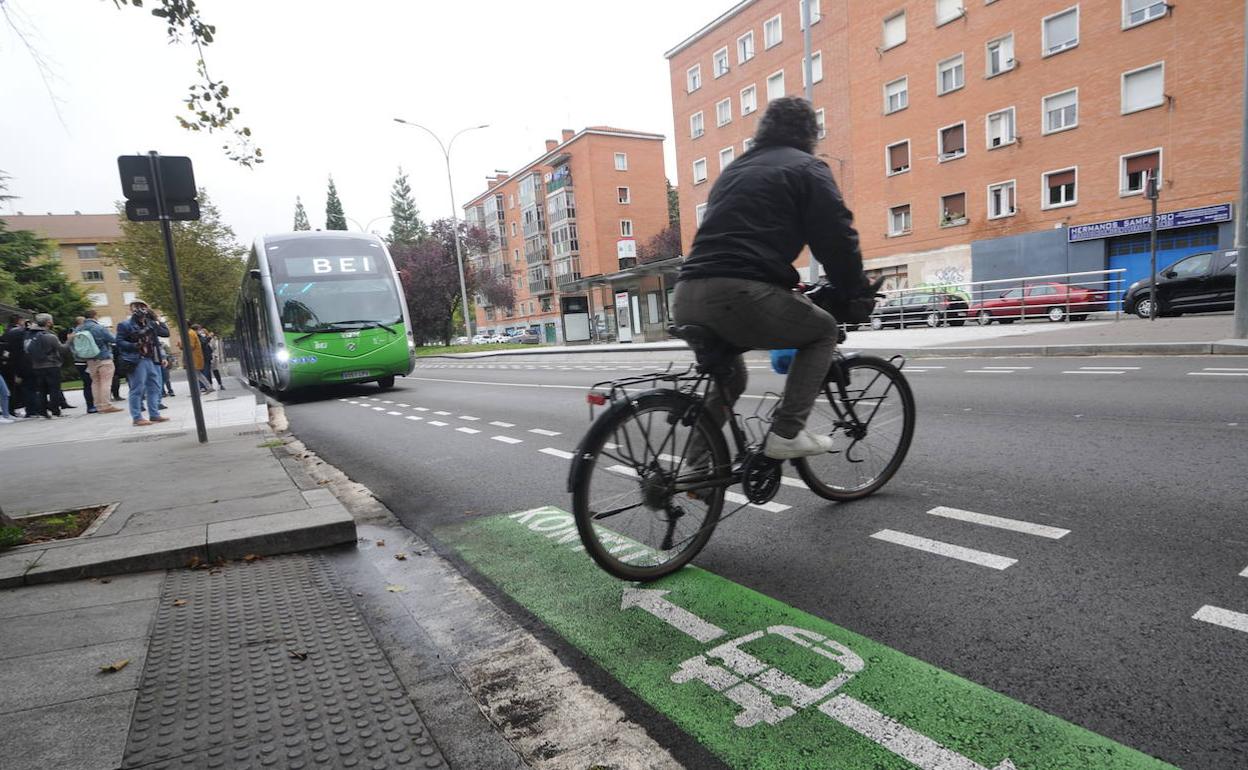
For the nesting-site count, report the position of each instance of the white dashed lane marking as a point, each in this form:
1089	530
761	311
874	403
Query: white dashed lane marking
469	431
468	418
1237	621
379	409
499	424
395	414
1014	525
556	453
1220	371
414	417
544	432
507	439
442	414
438	423
982	558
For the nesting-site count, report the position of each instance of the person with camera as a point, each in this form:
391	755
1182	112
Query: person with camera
45	352
138	338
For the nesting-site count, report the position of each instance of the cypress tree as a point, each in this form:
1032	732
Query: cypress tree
405	224
301	216
335	219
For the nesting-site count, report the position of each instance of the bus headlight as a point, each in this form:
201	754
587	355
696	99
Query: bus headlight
282	356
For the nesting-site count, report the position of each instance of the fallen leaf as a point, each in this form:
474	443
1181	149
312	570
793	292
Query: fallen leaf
179	602
401	556
381	543
252	557
297	654
115	666
395	589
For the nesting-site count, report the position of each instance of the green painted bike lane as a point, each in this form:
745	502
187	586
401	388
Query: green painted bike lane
759	683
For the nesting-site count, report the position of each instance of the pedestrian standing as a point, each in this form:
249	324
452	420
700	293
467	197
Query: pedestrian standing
80	364
207	341
13	360
138	337
197	358
100	367
166	369
45	353
118	375
5	416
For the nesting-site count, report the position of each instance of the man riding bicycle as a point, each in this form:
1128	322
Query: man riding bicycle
738	279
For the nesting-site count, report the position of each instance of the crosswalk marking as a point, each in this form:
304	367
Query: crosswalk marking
1221	617
1014	525
982	558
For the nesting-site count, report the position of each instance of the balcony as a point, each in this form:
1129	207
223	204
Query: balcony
540	285
560	179
567	270
535	251
627	263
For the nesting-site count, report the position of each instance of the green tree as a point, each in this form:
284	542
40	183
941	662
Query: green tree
301	216
37	281
335	219
8	282
405	224
673	206
210	262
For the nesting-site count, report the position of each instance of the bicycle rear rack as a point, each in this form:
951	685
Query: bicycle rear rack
610	391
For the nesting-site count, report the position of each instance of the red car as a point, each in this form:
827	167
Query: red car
1039	300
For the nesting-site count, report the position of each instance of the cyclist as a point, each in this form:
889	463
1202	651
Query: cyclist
738	279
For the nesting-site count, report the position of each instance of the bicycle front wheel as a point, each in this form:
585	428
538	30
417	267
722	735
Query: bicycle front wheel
652	487
871	416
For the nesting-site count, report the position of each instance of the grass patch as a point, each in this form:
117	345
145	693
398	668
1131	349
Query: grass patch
271	443
57	525
441	350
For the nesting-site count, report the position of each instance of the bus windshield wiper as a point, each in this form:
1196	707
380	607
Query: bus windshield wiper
362	325
314	332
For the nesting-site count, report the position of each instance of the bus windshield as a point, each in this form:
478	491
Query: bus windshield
332	283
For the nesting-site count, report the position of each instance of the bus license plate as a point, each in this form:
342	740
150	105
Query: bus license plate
354	375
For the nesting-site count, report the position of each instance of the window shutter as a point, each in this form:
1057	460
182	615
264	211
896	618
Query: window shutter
1143	89
898	156
1061	178
1142	163
955	205
955	139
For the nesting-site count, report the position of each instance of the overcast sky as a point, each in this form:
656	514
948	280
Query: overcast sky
319	83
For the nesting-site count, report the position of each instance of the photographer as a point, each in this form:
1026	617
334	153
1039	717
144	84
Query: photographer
138	339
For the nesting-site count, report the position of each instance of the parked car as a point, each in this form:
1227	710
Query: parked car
526	336
500	337
481	339
931	308
1040	300
1195	284
462	341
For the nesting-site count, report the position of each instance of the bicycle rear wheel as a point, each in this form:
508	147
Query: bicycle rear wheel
872	419
629	497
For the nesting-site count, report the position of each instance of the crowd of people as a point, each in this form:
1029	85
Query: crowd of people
32	356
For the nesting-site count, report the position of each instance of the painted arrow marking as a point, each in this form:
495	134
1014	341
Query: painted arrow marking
915	748
679	618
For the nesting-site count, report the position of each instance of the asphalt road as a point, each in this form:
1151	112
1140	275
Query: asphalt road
1141	459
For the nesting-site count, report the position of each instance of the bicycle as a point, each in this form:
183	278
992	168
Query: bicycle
624	466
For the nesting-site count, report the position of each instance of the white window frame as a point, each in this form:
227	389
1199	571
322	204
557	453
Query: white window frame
624	199
909	213
717	73
888	165
1044	112
966	217
988	73
1044	189
693	78
1044	34
753	105
770	77
697	125
816	68
105	321
128	297
940	148
98	298
626	228
779	32
884	26
732	152
816	14
1123	97
124	275
1128	24
942	22
1013	128
742	51
1003	183
957	60
822	121
699	214
513	229
720	119
621	161
1123	192
700	162
905	81
746	144
93	270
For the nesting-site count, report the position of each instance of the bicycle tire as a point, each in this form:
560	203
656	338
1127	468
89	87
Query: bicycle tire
607	429
816	478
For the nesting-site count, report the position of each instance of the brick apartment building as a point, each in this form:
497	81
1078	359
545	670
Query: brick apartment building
989	139
566	228
79	238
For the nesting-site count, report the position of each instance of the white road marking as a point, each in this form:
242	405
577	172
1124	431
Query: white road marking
1089	371
468	418
499	424
437	423
1225	369
789	481
343	399
1011	368
1220	617
387	402
989	371
556	453
507	439
1014	525
1244	573
740	499
1127	368
420	408
468	430
679	618
442	414
379	409
982	558
395	414
405	406
414	417
610	445
544	432
1217	374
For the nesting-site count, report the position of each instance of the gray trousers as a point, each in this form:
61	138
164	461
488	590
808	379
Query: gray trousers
763	316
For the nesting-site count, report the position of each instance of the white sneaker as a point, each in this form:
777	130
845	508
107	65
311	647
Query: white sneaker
804	444
6	421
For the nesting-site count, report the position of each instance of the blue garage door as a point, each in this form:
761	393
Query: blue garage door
1131	251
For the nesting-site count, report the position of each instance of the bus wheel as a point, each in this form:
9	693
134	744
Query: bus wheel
386	383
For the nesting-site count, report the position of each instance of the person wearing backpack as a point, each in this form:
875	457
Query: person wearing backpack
44	351
92	345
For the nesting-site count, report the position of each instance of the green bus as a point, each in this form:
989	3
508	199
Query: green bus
322	308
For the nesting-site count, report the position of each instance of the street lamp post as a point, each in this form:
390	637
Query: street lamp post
364	228
459	254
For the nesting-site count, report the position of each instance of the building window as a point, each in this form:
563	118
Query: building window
952	141
719	63
88	252
515	255
1137	12
772	33
92	276
747	143
723	112
98	299
104	320
693	78
726	156
822	122
899	220
947	11
1061	111
699	171
513	229
626	228
128	296
745	47
815	13
950	74
124	276
1144	88
816	68
897	157
511	201
896	96
1000	126
1000	55
953	210
621	161
1059	188
1001	200
622	195
1060	31
1135	170
894	30
775	86
749	100
696	125
699	213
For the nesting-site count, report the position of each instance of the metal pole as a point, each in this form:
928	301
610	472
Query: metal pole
179	302
1241	216
459	255
1154	300
808	76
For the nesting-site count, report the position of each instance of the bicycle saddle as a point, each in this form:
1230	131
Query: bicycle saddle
712	351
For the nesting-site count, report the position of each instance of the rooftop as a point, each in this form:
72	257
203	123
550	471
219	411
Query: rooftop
696	36
62	228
